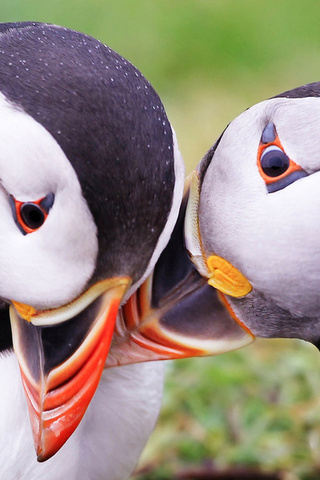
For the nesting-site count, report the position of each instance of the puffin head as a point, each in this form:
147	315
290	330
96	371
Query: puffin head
256	199
90	186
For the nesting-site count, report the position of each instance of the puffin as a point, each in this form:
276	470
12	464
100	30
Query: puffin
243	260
91	181
255	200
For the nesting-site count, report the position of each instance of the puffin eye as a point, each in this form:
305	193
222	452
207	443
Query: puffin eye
275	167
29	216
32	215
274	162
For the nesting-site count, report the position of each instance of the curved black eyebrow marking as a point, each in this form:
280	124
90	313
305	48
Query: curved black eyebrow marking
269	133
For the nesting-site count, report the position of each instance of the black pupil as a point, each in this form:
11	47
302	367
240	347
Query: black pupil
274	162
32	215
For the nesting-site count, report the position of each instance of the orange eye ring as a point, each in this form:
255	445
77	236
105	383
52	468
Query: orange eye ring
278	170
292	166
30	216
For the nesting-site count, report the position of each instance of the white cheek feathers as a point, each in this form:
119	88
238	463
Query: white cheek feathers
220	273
50	266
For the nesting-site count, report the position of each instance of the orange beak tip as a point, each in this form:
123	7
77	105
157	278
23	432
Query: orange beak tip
58	396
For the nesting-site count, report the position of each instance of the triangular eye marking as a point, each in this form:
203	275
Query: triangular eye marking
269	134
30	216
47	202
275	167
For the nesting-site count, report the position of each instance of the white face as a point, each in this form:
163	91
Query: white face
272	238
50	266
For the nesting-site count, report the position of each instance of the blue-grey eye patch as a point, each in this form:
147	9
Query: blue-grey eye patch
269	134
288	180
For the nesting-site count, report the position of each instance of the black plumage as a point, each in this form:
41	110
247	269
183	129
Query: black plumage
92	100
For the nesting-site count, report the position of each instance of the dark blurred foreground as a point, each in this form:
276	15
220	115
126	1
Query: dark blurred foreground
209	472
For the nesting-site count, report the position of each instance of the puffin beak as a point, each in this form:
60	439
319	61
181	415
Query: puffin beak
182	309
62	353
195	320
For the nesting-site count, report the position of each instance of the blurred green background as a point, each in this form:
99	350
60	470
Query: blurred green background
209	60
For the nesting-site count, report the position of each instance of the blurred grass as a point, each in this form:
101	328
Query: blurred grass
256	407
209	60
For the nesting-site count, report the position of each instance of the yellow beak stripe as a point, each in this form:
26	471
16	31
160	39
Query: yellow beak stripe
25	311
226	278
